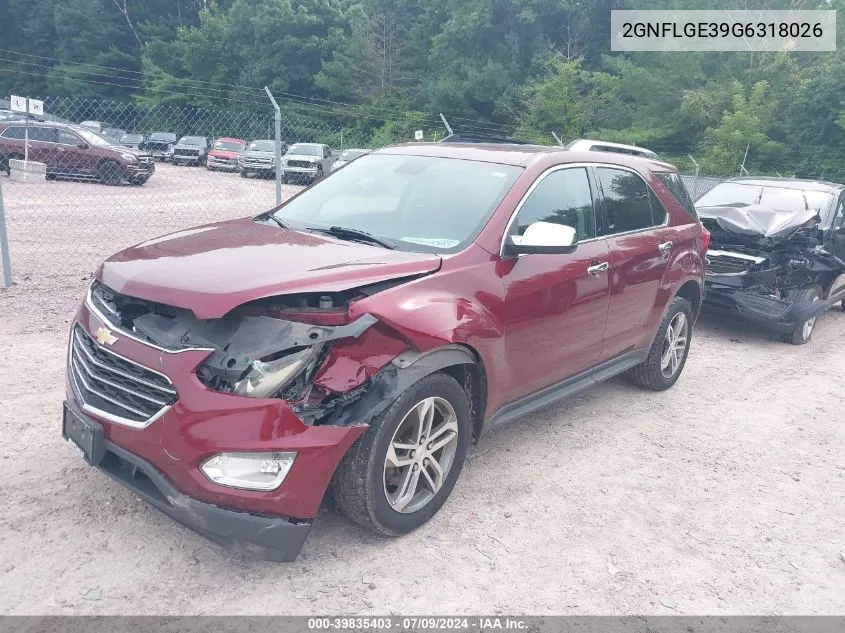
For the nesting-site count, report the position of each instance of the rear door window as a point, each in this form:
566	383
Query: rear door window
627	201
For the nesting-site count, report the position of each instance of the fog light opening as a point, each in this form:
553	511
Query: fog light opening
248	471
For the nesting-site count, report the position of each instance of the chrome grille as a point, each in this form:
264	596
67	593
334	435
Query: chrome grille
299	163
115	385
731	262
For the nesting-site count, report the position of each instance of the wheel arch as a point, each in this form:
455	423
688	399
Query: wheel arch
458	360
691	291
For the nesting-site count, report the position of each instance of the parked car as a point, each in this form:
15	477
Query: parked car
225	154
97	126
74	151
584	144
132	140
306	162
259	159
777	255
160	145
364	333
191	150
347	156
113	134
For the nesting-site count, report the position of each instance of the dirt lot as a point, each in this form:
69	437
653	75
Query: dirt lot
725	494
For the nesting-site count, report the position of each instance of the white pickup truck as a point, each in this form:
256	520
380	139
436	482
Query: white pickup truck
306	162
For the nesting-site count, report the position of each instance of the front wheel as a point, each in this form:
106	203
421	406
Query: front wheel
803	333
668	353
110	173
401	471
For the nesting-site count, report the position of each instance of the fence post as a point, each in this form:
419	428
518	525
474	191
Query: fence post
695	182
4	245
278	117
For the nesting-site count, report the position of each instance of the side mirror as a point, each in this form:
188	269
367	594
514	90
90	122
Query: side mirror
82	146
542	238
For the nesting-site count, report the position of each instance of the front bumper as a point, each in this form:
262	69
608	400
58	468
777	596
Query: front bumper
227	164
139	170
777	315
187	158
267	537
203	422
303	172
256	165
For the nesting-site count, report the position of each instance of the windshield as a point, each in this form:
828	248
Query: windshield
132	138
778	198
352	154
305	150
192	140
422	203
93	139
229	146
262	146
162	136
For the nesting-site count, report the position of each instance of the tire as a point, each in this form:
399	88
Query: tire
804	333
364	480
659	371
110	173
319	175
243	173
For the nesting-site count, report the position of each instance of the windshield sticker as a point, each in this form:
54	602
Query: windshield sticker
432	241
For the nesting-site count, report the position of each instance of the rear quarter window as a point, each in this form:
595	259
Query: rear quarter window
677	188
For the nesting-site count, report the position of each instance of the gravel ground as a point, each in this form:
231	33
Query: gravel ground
724	495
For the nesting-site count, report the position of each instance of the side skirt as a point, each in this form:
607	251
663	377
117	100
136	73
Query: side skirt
572	385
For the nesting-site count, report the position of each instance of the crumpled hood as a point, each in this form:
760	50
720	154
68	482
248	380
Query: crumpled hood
212	269
750	220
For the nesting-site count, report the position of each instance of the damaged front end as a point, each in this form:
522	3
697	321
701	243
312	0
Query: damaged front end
759	262
302	349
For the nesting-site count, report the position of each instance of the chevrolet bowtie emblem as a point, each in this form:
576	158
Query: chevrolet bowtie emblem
104	336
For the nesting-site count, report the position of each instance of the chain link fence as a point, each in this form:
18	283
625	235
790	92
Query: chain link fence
98	200
102	196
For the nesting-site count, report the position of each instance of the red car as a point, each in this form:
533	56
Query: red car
225	153
74	151
363	333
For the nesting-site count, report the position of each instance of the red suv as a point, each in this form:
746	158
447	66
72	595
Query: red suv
74	151
363	333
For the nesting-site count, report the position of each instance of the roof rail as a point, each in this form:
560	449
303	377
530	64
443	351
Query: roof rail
472	137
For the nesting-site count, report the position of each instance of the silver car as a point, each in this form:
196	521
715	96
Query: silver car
347	156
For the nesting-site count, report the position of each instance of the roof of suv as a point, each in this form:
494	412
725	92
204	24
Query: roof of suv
519	155
791	183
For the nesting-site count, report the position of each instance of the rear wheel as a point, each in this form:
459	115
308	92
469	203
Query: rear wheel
669	351
110	173
401	471
804	333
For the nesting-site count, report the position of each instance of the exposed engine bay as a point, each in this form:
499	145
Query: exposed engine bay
300	348
760	258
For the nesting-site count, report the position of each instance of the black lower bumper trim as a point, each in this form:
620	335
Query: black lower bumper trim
773	314
269	538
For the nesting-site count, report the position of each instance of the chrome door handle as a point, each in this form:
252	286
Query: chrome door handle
598	268
666	246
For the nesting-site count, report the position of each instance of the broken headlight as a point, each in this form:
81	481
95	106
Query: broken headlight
266	378
263	378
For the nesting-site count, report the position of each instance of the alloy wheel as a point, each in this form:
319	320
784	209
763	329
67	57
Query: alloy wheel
674	344
420	455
